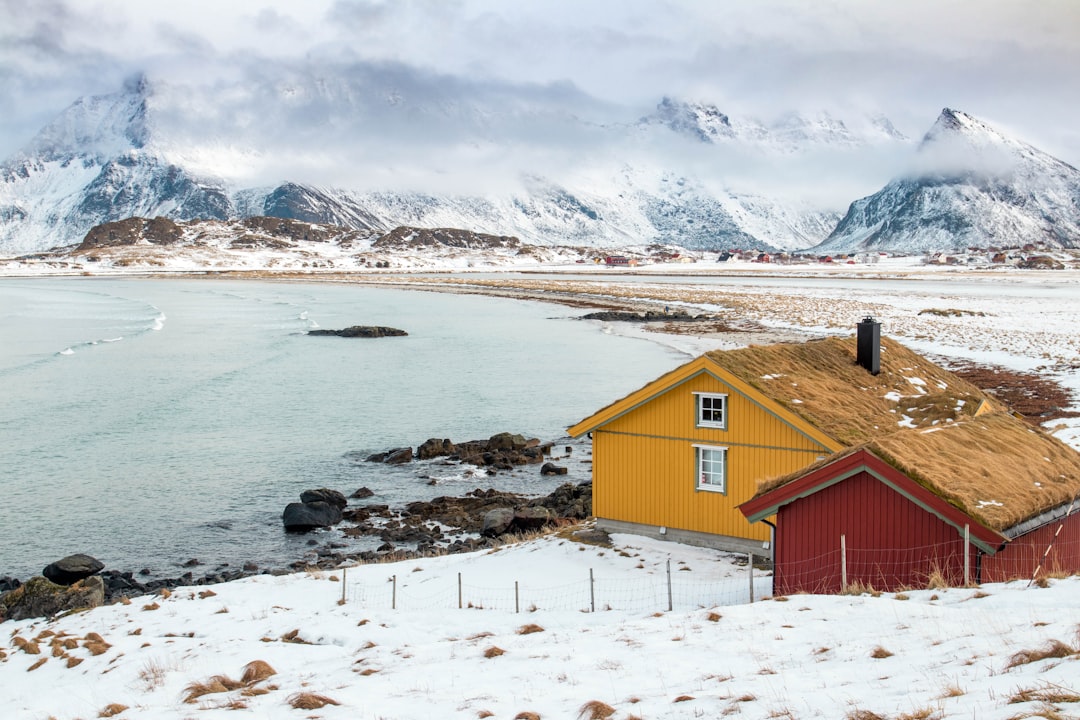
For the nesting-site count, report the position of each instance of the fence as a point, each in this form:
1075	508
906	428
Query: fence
590	593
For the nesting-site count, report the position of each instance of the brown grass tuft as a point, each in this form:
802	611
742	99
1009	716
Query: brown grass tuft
38	664
310	701
206	594
713	617
111	710
293	636
527	715
683	698
73	661
485	714
595	710
256	671
863	715
96	648
151	606
216	684
529	629
1048	693
494	651
1052	649
879	653
921	714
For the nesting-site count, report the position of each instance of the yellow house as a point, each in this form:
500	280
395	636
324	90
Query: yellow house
677	457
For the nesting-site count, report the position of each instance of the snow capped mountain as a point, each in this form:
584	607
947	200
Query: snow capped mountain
971	186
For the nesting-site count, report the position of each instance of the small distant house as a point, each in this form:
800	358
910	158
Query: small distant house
848	459
616	260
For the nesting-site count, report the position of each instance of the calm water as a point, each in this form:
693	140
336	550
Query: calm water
147	422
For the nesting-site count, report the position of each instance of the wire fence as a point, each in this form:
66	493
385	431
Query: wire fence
590	593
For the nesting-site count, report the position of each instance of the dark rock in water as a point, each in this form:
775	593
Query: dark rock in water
365	331
362	493
435	447
301	517
649	316
507	441
192	563
73	568
324	495
397	456
40	597
9	583
552	469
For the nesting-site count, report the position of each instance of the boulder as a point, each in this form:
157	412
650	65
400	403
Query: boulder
506	441
552	469
301	517
399	456
40	597
363	331
324	495
362	493
435	447
72	568
530	518
496	522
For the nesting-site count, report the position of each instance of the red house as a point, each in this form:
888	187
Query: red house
938	495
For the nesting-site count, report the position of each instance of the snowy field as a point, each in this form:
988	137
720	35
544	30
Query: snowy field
956	653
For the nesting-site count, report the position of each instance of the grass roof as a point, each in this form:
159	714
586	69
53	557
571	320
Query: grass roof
941	431
820	381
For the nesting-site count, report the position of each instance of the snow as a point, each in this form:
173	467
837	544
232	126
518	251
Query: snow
803	656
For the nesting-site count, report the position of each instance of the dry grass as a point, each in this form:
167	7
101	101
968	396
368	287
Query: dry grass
527	715
1048	693
310	701
216	684
37	664
879	653
713	616
863	715
485	714
529	629
683	698
112	710
921	714
1052	649
595	710
494	651
256	671
860	587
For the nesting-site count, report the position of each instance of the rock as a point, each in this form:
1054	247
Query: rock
324	495
529	518
435	447
40	597
73	568
497	522
552	469
362	493
364	331
507	441
399	456
301	517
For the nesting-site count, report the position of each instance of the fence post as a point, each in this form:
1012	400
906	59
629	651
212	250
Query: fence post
967	555
517	598
750	564
344	581
592	591
393	595
459	591
843	562
669	585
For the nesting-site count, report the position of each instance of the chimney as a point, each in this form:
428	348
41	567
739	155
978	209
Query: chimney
869	345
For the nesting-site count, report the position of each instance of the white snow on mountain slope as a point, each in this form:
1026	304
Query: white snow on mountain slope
545	164
970	186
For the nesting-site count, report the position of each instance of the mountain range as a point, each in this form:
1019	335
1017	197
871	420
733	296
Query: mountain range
371	152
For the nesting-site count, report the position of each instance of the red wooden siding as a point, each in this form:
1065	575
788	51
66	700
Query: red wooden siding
892	543
1020	557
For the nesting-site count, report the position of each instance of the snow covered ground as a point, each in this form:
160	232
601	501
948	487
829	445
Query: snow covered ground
952	653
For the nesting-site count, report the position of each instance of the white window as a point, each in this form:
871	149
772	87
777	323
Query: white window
711	468
711	410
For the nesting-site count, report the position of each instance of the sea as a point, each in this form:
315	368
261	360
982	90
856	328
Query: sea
152	422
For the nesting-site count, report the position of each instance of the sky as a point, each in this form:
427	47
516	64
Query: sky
1009	62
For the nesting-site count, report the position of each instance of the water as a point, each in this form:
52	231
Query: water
147	422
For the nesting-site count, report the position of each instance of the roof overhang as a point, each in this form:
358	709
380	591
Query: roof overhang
862	460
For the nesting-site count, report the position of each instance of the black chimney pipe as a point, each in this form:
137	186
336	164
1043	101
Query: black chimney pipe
869	345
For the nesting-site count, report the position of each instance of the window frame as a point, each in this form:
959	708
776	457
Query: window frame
699	410
699	460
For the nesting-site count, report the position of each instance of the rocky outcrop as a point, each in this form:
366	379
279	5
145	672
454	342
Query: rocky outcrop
647	316
305	516
501	451
362	331
72	568
40	597
333	497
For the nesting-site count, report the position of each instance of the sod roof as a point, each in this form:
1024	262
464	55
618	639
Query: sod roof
941	431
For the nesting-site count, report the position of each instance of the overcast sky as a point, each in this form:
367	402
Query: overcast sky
1013	63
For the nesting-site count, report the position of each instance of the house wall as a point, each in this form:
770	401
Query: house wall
644	462
1020	558
891	543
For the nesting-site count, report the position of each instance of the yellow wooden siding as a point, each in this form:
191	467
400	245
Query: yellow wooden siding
644	461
